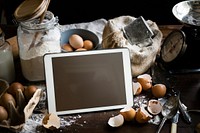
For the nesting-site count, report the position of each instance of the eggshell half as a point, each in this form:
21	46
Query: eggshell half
145	80
142	115
154	106
116	121
159	90
128	113
137	88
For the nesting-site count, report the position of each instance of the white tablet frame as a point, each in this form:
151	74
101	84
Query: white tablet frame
51	100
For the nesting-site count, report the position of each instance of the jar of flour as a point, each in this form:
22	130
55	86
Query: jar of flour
35	39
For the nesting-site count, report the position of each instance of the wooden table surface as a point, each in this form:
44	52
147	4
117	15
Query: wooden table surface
188	84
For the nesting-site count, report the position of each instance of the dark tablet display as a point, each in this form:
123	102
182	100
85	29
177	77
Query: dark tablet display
88	81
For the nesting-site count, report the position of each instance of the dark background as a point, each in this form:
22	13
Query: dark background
159	11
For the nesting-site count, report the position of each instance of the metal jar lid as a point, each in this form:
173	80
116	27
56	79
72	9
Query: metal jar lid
30	9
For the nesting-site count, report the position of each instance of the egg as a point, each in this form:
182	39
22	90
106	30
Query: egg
116	121
67	47
76	41
29	91
87	44
159	90
81	49
154	106
3	114
14	87
6	99
128	113
145	80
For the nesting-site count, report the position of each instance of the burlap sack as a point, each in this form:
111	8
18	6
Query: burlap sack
142	55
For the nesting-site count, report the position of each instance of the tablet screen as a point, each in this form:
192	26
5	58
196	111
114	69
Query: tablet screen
88	81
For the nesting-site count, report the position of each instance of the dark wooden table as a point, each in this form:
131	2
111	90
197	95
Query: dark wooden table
187	83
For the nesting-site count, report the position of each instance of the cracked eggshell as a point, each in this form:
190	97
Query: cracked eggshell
128	113
116	121
142	115
154	106
137	88
51	121
145	80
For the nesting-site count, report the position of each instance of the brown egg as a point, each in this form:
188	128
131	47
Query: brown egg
7	98
88	44
29	91
3	114
14	87
145	80
159	90
76	41
128	113
81	49
67	47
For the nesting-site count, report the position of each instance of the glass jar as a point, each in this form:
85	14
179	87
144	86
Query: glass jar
7	69
35	39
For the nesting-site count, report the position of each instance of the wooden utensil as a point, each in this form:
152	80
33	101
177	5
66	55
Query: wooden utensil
41	19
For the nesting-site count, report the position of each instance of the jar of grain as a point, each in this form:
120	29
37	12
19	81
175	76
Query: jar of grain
35	39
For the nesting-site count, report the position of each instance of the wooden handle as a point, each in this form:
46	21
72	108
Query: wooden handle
174	128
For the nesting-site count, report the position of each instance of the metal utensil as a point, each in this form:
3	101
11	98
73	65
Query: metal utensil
185	113
169	109
174	122
138	31
183	109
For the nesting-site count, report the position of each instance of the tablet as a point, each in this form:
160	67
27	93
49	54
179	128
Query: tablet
88	81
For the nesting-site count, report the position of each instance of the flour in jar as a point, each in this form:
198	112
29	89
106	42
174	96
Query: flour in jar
32	57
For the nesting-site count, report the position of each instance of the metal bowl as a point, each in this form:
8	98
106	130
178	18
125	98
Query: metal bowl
188	12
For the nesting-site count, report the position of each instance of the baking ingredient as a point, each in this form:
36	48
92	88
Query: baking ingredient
47	41
142	115
29	91
128	113
145	80
67	47
88	44
159	90
51	121
81	49
14	87
3	114
76	41
116	121
137	88
154	106
6	99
